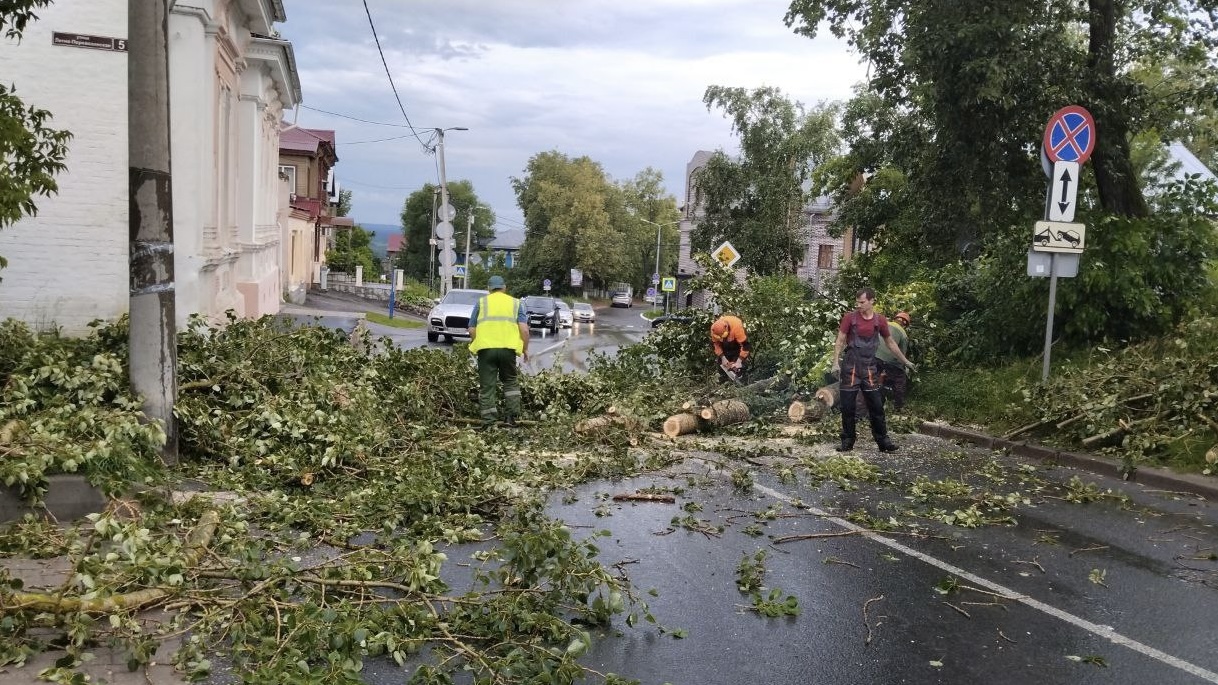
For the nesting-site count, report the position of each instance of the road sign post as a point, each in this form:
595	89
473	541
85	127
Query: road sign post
726	254
1068	142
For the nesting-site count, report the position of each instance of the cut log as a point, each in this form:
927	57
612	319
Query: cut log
680	424
800	411
726	412
828	395
598	422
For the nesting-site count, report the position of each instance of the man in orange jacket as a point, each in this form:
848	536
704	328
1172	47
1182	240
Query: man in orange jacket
732	346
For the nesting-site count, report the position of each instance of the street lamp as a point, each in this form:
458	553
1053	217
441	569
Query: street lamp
658	227
469	229
448	274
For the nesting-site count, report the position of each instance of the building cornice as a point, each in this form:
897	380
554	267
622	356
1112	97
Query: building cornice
200	13
279	57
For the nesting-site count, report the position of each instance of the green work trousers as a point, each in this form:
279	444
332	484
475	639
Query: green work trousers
494	365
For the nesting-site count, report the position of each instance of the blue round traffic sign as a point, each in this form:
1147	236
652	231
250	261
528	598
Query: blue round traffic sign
1070	135
546	283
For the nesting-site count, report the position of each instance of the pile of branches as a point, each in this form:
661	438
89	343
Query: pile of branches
353	468
66	407
1144	402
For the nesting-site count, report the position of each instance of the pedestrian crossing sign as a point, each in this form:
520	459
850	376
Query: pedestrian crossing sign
726	255
669	284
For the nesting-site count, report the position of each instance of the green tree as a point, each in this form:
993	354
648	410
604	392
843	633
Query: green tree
344	203
31	153
656	211
756	201
417	215
352	248
574	219
984	77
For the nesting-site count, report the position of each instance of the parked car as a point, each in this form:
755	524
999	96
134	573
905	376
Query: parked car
542	312
622	300
584	312
565	316
450	317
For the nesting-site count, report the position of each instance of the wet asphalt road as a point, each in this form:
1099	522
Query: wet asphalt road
1115	590
568	350
1025	608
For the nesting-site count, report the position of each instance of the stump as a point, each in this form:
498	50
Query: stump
680	424
726	412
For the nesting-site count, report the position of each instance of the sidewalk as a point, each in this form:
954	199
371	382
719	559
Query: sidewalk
1149	476
108	665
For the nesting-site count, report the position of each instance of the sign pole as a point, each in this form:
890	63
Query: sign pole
1044	371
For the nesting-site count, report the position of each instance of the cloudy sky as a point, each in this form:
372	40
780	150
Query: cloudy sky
620	81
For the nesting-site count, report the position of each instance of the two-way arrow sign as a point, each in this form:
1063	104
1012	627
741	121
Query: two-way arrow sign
1063	191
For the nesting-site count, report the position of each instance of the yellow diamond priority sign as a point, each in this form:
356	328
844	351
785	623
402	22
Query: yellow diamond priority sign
726	255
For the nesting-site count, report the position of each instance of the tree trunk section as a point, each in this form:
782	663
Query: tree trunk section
726	412
680	424
828	395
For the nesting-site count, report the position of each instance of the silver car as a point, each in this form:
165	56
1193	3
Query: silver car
584	312
450	318
564	315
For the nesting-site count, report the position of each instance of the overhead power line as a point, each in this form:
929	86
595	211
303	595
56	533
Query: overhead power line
396	96
348	116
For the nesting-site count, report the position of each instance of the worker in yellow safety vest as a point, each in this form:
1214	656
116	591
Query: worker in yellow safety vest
498	333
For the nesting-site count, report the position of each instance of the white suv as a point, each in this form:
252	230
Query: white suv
450	317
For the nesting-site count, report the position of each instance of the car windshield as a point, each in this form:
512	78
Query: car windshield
583	306
562	305
537	302
463	296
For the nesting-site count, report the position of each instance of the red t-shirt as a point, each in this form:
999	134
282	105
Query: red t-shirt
866	327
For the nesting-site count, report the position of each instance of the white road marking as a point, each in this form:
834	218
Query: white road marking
549	349
1105	632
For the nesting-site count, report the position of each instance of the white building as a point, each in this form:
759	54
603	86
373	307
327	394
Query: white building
229	86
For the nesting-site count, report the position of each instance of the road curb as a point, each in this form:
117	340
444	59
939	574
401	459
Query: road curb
1149	476
69	496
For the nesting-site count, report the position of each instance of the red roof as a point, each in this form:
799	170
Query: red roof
297	139
395	243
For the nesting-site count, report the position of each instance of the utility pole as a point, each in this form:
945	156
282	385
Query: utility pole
447	283
431	246
444	206
469	228
152	338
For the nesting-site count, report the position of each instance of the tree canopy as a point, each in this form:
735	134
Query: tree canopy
418	213
757	200
576	217
943	172
31	152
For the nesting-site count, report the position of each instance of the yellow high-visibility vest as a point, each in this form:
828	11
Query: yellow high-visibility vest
497	324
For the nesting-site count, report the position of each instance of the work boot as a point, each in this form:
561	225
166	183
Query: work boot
510	421
849	420
879	423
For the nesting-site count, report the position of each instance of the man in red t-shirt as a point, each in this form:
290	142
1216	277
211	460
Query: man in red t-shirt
860	333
